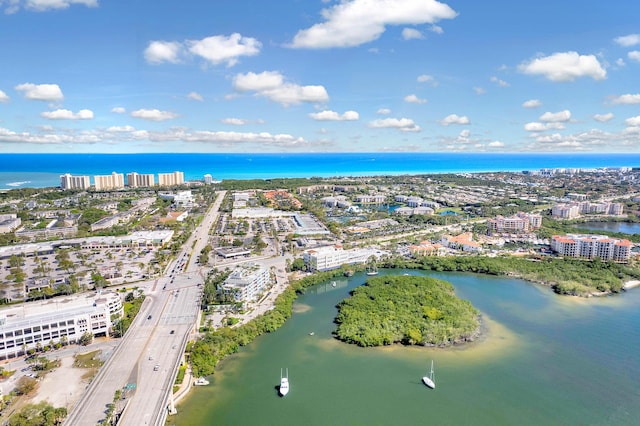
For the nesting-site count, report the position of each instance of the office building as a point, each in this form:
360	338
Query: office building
247	282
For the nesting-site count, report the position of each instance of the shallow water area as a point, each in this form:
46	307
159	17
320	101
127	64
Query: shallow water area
543	359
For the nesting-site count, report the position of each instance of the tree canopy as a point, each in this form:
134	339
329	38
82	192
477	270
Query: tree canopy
406	309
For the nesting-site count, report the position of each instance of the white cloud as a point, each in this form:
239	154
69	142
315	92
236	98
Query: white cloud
383	111
402	124
271	84
436	29
43	5
41	92
627	99
65	114
195	96
214	49
603	118
541	127
532	103
499	82
3	97
221	49
454	119
479	90
426	78
413	99
163	51
411	34
118	110
118	129
355	22
234	121
634	55
334	116
633	121
153	114
556	117
495	144
620	62
628	40
565	66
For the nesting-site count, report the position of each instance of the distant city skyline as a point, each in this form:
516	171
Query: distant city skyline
319	76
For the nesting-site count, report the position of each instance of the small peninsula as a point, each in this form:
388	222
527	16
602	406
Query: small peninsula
410	310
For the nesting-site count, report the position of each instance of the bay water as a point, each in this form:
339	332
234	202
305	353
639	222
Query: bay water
542	359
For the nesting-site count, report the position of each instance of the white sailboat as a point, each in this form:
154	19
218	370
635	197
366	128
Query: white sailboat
428	380
284	383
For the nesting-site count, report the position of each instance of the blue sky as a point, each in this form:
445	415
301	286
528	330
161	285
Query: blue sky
319	76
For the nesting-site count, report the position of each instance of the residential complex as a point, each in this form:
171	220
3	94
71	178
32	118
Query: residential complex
37	324
135	180
592	246
575	209
246	282
68	181
9	222
108	182
325	258
170	179
521	222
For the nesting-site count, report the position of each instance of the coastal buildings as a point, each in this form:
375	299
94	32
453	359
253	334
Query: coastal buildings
67	181
246	282
135	180
462	242
592	246
108	182
170	179
37	324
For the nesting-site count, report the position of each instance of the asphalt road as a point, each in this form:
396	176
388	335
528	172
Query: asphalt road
149	355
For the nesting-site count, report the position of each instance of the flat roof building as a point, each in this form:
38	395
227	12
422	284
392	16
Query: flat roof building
246	282
67	181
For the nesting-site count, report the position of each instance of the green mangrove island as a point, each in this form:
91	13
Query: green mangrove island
412	310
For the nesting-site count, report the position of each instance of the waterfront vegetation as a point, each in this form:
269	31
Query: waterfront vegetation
410	310
207	351
565	276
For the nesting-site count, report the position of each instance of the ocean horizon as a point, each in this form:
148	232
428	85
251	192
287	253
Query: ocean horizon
44	170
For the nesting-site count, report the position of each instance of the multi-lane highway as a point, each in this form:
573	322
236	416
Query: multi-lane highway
147	359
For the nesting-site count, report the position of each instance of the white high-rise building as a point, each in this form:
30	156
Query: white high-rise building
247	281
107	182
170	179
67	181
136	180
208	179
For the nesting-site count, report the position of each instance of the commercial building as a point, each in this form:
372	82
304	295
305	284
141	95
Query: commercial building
68	181
246	282
170	179
592	246
135	180
9	222
37	324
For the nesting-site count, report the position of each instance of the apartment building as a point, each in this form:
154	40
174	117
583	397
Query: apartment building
592	246
170	179
246	282
325	258
67	181
108	182
135	180
519	223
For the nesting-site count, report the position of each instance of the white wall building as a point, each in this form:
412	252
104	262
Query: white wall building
592	246
67	181
107	182
247	282
34	324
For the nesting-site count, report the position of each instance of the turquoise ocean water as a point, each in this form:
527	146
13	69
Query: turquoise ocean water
43	170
